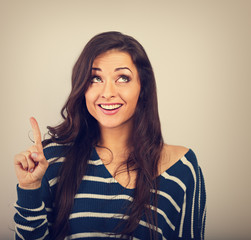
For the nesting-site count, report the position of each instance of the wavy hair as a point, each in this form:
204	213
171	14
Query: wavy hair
81	132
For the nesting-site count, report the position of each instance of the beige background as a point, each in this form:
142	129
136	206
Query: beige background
200	52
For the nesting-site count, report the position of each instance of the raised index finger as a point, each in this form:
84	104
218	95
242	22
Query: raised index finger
36	133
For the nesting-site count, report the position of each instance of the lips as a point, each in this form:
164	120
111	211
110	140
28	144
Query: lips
110	109
110	106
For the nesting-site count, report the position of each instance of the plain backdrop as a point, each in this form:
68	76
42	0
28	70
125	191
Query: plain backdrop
201	54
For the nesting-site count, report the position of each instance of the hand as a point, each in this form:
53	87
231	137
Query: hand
30	166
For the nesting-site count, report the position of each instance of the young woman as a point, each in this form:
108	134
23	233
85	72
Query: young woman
105	172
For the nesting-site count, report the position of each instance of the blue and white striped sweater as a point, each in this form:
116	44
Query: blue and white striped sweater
101	202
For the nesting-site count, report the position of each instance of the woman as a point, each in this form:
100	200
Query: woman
110	175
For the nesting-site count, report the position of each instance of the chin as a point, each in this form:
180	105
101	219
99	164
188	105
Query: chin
109	126
114	125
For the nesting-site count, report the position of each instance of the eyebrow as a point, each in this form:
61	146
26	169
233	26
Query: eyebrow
116	69
121	68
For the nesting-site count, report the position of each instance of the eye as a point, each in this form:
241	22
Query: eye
96	79
123	79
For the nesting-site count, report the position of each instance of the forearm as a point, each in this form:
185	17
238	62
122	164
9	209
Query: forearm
31	216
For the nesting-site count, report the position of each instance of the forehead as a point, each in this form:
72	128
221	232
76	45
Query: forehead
114	58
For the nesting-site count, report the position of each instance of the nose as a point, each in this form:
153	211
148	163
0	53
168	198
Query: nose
109	90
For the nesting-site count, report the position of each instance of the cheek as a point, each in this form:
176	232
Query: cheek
135	93
132	97
87	99
90	101
91	94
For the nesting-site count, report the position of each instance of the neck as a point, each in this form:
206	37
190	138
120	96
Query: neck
115	139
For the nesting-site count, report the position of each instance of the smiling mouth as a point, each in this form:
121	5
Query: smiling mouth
110	106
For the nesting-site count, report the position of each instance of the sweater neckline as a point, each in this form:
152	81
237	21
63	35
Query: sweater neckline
95	156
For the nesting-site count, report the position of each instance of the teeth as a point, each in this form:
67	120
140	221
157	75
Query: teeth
110	107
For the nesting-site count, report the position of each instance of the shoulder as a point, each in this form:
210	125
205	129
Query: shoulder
170	155
180	163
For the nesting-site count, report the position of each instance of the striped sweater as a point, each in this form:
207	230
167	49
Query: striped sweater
101	201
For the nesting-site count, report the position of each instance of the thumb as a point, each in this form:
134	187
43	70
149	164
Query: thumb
39	158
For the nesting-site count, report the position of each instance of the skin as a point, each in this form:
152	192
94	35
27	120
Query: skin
115	129
30	165
115	81
108	87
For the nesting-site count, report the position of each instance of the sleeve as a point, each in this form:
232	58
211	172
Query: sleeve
33	210
193	211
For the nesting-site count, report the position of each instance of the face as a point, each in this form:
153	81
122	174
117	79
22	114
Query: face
114	90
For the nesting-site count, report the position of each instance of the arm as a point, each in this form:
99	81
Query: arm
30	166
193	212
31	215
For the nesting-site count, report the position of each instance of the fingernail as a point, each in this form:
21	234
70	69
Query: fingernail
34	155
31	170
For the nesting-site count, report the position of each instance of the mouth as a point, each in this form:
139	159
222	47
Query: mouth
110	107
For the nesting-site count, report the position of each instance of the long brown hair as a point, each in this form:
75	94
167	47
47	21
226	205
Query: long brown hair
81	132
